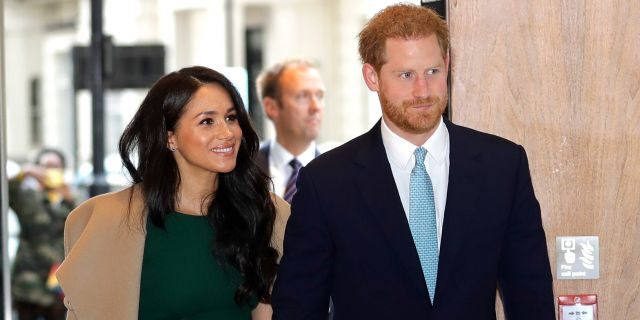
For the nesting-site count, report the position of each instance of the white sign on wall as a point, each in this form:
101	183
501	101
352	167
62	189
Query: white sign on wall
578	257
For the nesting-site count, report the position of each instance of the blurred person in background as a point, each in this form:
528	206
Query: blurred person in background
41	200
198	235
13	225
292	94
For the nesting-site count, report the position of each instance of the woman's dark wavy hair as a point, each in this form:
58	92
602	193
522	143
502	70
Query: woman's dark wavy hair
241	211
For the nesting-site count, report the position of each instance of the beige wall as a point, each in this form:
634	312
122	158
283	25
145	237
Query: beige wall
562	78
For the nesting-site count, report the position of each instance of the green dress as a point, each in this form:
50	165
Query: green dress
180	277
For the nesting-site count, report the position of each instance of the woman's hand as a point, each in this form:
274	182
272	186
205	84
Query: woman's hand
262	312
37	172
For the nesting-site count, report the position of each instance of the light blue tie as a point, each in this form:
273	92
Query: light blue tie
422	221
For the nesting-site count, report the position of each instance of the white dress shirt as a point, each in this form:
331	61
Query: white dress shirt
400	154
279	167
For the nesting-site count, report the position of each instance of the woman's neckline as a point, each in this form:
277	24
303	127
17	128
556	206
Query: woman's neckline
180	213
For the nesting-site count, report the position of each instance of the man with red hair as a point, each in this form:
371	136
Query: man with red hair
419	218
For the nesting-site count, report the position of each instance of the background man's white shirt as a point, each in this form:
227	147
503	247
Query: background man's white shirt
279	167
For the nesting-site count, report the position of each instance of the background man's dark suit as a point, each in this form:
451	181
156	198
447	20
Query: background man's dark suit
262	159
348	237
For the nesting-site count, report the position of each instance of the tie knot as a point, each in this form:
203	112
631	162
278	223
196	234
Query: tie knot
295	164
420	153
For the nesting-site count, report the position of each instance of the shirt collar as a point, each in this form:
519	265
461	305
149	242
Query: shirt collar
400	151
280	157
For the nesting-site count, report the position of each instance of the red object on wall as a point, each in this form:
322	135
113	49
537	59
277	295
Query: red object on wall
578	307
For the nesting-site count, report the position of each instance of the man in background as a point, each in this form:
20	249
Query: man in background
292	94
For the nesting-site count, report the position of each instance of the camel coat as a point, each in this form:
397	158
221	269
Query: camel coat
104	246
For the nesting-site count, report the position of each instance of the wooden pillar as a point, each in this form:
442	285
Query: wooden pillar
562	78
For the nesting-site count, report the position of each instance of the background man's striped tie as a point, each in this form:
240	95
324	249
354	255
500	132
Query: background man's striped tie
291	184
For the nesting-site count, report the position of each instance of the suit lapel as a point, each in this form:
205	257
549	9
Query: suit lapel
462	194
378	187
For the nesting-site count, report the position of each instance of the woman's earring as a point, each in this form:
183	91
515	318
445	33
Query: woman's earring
172	149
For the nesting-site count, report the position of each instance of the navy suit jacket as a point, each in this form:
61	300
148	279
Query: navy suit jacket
348	238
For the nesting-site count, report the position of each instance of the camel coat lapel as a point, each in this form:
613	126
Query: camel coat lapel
104	245
104	248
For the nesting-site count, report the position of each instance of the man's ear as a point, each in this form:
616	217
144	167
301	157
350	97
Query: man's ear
271	107
370	77
446	63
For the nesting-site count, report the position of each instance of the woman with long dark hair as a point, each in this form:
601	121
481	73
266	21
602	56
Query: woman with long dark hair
198	235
